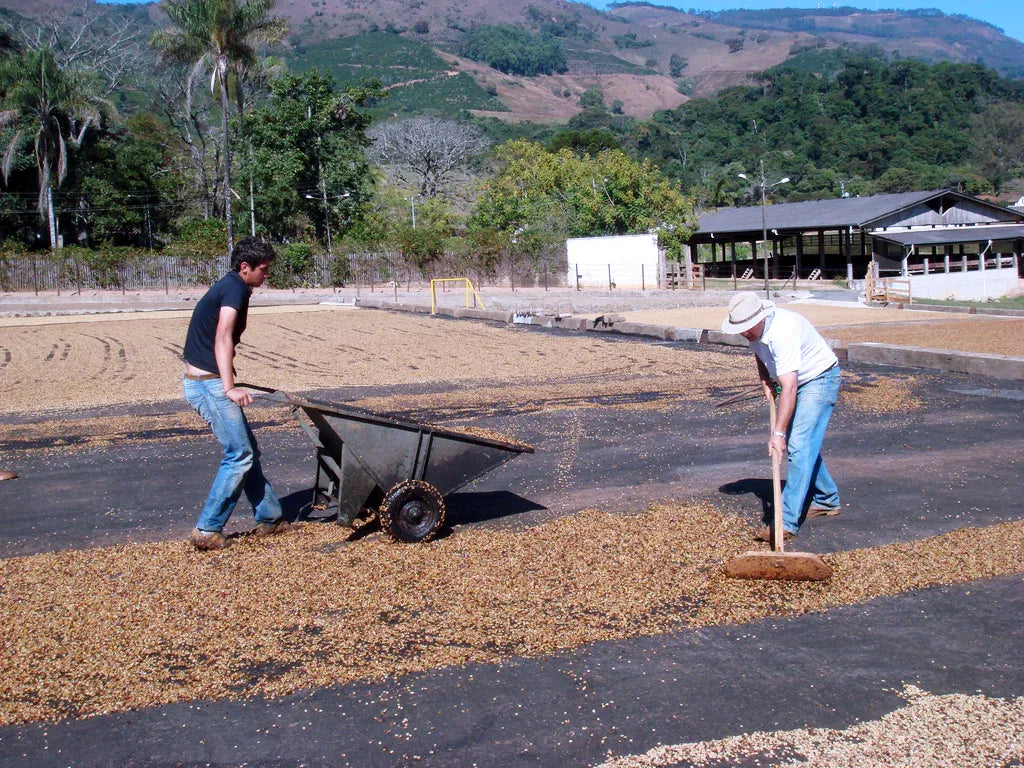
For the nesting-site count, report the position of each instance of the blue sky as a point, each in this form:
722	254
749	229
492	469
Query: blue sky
1008	15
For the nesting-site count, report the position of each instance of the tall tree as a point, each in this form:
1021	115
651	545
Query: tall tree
309	155
560	195
48	109
219	37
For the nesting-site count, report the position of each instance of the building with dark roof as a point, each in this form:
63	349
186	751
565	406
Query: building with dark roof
902	233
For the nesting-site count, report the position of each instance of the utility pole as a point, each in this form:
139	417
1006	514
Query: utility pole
252	207
252	196
327	217
765	186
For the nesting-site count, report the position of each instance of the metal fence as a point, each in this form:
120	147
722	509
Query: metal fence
373	271
68	275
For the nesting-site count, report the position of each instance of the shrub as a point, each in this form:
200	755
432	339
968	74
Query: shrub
199	240
341	271
293	266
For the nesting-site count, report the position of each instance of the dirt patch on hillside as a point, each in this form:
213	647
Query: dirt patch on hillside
543	99
555	98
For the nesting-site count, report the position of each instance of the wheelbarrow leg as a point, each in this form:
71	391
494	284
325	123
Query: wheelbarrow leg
343	481
338	477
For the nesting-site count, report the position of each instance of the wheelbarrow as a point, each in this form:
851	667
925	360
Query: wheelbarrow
403	468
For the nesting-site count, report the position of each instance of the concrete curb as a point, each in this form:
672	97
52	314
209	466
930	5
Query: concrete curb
995	366
869	353
953	309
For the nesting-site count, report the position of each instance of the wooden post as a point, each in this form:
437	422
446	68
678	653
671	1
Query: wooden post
799	254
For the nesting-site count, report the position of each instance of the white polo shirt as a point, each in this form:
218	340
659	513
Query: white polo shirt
790	343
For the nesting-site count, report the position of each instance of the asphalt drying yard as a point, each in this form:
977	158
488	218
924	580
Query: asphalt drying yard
573	612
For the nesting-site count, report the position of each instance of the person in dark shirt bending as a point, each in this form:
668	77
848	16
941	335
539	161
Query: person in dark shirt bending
214	331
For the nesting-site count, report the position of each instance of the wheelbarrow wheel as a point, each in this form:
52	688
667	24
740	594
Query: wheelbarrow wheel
412	511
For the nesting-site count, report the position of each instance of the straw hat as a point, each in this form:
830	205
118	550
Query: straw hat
746	309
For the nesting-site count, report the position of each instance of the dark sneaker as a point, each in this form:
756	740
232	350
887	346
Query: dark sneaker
816	511
272	529
204	540
765	534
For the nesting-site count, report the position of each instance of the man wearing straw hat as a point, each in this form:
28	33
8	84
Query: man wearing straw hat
790	352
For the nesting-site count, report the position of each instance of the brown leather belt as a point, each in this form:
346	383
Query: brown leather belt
201	376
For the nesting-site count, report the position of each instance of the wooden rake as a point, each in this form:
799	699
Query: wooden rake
777	563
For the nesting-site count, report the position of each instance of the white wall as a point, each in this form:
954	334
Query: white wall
966	286
623	254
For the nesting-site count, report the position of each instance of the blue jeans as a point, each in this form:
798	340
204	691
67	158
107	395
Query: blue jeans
240	469
806	472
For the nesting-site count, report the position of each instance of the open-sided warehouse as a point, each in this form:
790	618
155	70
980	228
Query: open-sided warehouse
840	237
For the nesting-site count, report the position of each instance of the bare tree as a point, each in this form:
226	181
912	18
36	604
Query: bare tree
191	122
426	151
88	35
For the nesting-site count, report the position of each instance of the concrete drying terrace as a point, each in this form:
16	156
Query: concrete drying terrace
918	453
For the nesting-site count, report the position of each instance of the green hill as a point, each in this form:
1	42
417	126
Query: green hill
417	79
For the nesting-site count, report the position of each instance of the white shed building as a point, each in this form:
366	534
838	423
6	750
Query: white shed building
615	261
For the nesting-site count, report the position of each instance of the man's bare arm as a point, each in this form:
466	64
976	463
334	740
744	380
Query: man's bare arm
224	352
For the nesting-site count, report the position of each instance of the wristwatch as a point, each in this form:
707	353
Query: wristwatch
780	434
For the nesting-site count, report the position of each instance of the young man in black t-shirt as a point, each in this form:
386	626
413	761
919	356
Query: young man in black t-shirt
218	321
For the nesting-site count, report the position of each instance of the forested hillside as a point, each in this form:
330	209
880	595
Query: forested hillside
869	127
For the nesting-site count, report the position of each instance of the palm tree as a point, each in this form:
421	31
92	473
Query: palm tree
219	37
50	108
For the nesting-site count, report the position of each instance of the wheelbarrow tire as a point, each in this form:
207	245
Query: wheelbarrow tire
412	511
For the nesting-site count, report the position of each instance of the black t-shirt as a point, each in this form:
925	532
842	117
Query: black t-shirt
229	291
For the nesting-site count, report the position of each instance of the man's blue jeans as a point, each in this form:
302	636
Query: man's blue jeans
806	472
240	469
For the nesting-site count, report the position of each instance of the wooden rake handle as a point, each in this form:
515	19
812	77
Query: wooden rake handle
778	534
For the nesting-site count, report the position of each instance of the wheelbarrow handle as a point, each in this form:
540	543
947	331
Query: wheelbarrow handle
268	393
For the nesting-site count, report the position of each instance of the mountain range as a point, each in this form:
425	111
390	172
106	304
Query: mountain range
643	56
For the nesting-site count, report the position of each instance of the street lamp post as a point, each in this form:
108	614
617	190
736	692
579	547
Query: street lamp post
764	227
327	216
412	202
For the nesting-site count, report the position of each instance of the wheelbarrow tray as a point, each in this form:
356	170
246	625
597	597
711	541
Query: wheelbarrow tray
362	454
